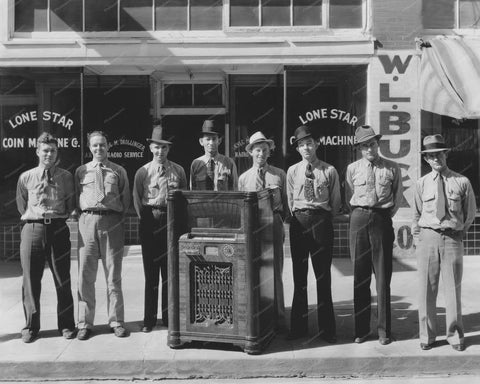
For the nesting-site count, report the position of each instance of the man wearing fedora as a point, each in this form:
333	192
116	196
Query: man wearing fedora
444	209
150	189
373	191
212	171
313	192
263	175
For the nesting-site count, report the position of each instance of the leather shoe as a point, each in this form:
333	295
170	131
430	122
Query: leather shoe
119	331
28	336
361	339
425	346
384	340
146	329
84	334
459	347
68	333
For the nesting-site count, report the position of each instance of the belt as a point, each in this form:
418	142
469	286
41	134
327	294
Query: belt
311	211
47	221
156	207
103	212
373	209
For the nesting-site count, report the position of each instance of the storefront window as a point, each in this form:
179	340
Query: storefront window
244	13
31	102
171	15
345	14
275	12
189	95
307	12
205	15
136	15
442	14
101	15
31	16
66	15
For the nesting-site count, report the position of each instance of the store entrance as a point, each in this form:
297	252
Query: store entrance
184	132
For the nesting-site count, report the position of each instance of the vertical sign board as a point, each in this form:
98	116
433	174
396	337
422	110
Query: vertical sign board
393	110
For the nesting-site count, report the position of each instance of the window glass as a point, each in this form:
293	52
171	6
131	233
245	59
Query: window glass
178	95
469	14
66	15
136	15
100	15
205	14
244	13
345	13
31	15
307	12
208	94
275	12
438	14
171	14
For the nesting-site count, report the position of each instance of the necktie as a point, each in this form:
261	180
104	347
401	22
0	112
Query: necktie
99	187
210	174
46	180
370	186
440	198
162	183
309	188
260	180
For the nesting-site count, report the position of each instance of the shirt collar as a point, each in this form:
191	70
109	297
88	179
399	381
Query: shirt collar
314	163
256	167
445	173
41	169
95	162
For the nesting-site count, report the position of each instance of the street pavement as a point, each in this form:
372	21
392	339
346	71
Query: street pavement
147	356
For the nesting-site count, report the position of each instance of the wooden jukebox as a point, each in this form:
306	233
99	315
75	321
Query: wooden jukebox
220	265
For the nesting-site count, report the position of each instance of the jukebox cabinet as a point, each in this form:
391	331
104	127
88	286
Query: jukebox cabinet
220	265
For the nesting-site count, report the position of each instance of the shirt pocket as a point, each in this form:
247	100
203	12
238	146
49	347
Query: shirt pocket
429	202
322	189
385	181
359	186
111	184
36	194
152	189
454	201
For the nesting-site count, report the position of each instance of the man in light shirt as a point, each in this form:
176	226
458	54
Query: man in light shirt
150	189
263	175
444	209
212	171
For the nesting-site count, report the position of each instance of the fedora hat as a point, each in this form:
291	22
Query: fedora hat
259	137
208	128
434	143
300	133
157	136
365	133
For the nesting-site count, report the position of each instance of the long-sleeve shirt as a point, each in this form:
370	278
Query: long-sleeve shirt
225	173
146	190
115	181
388	184
326	187
460	208
38	198
274	178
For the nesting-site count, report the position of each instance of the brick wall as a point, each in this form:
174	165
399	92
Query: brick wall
396	23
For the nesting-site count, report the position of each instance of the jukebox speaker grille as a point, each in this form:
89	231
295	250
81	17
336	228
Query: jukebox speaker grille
212	294
214	214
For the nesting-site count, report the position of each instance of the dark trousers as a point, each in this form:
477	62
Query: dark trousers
371	244
311	232
153	238
39	243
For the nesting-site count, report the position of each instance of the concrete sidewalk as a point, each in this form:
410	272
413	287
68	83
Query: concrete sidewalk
147	355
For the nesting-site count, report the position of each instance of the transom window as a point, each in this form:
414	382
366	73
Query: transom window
182	15
192	95
451	14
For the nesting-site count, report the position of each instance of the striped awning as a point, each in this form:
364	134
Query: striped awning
450	77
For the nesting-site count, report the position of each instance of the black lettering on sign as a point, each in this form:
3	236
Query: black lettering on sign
389	65
385	95
399	120
402	151
404	237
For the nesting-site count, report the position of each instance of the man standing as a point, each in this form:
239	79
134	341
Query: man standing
444	209
103	197
45	199
262	175
373	190
313	191
212	171
150	189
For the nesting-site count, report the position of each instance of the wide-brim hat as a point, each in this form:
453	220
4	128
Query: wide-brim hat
434	143
365	133
157	136
259	137
208	128
300	133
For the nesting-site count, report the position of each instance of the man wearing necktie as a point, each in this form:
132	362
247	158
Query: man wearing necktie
444	209
212	171
151	184
103	197
313	192
45	199
263	175
373	192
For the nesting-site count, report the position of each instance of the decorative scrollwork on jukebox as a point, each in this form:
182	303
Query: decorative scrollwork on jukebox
212	293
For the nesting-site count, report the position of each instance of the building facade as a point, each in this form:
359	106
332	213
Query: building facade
72	67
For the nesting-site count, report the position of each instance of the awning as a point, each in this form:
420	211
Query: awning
450	77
